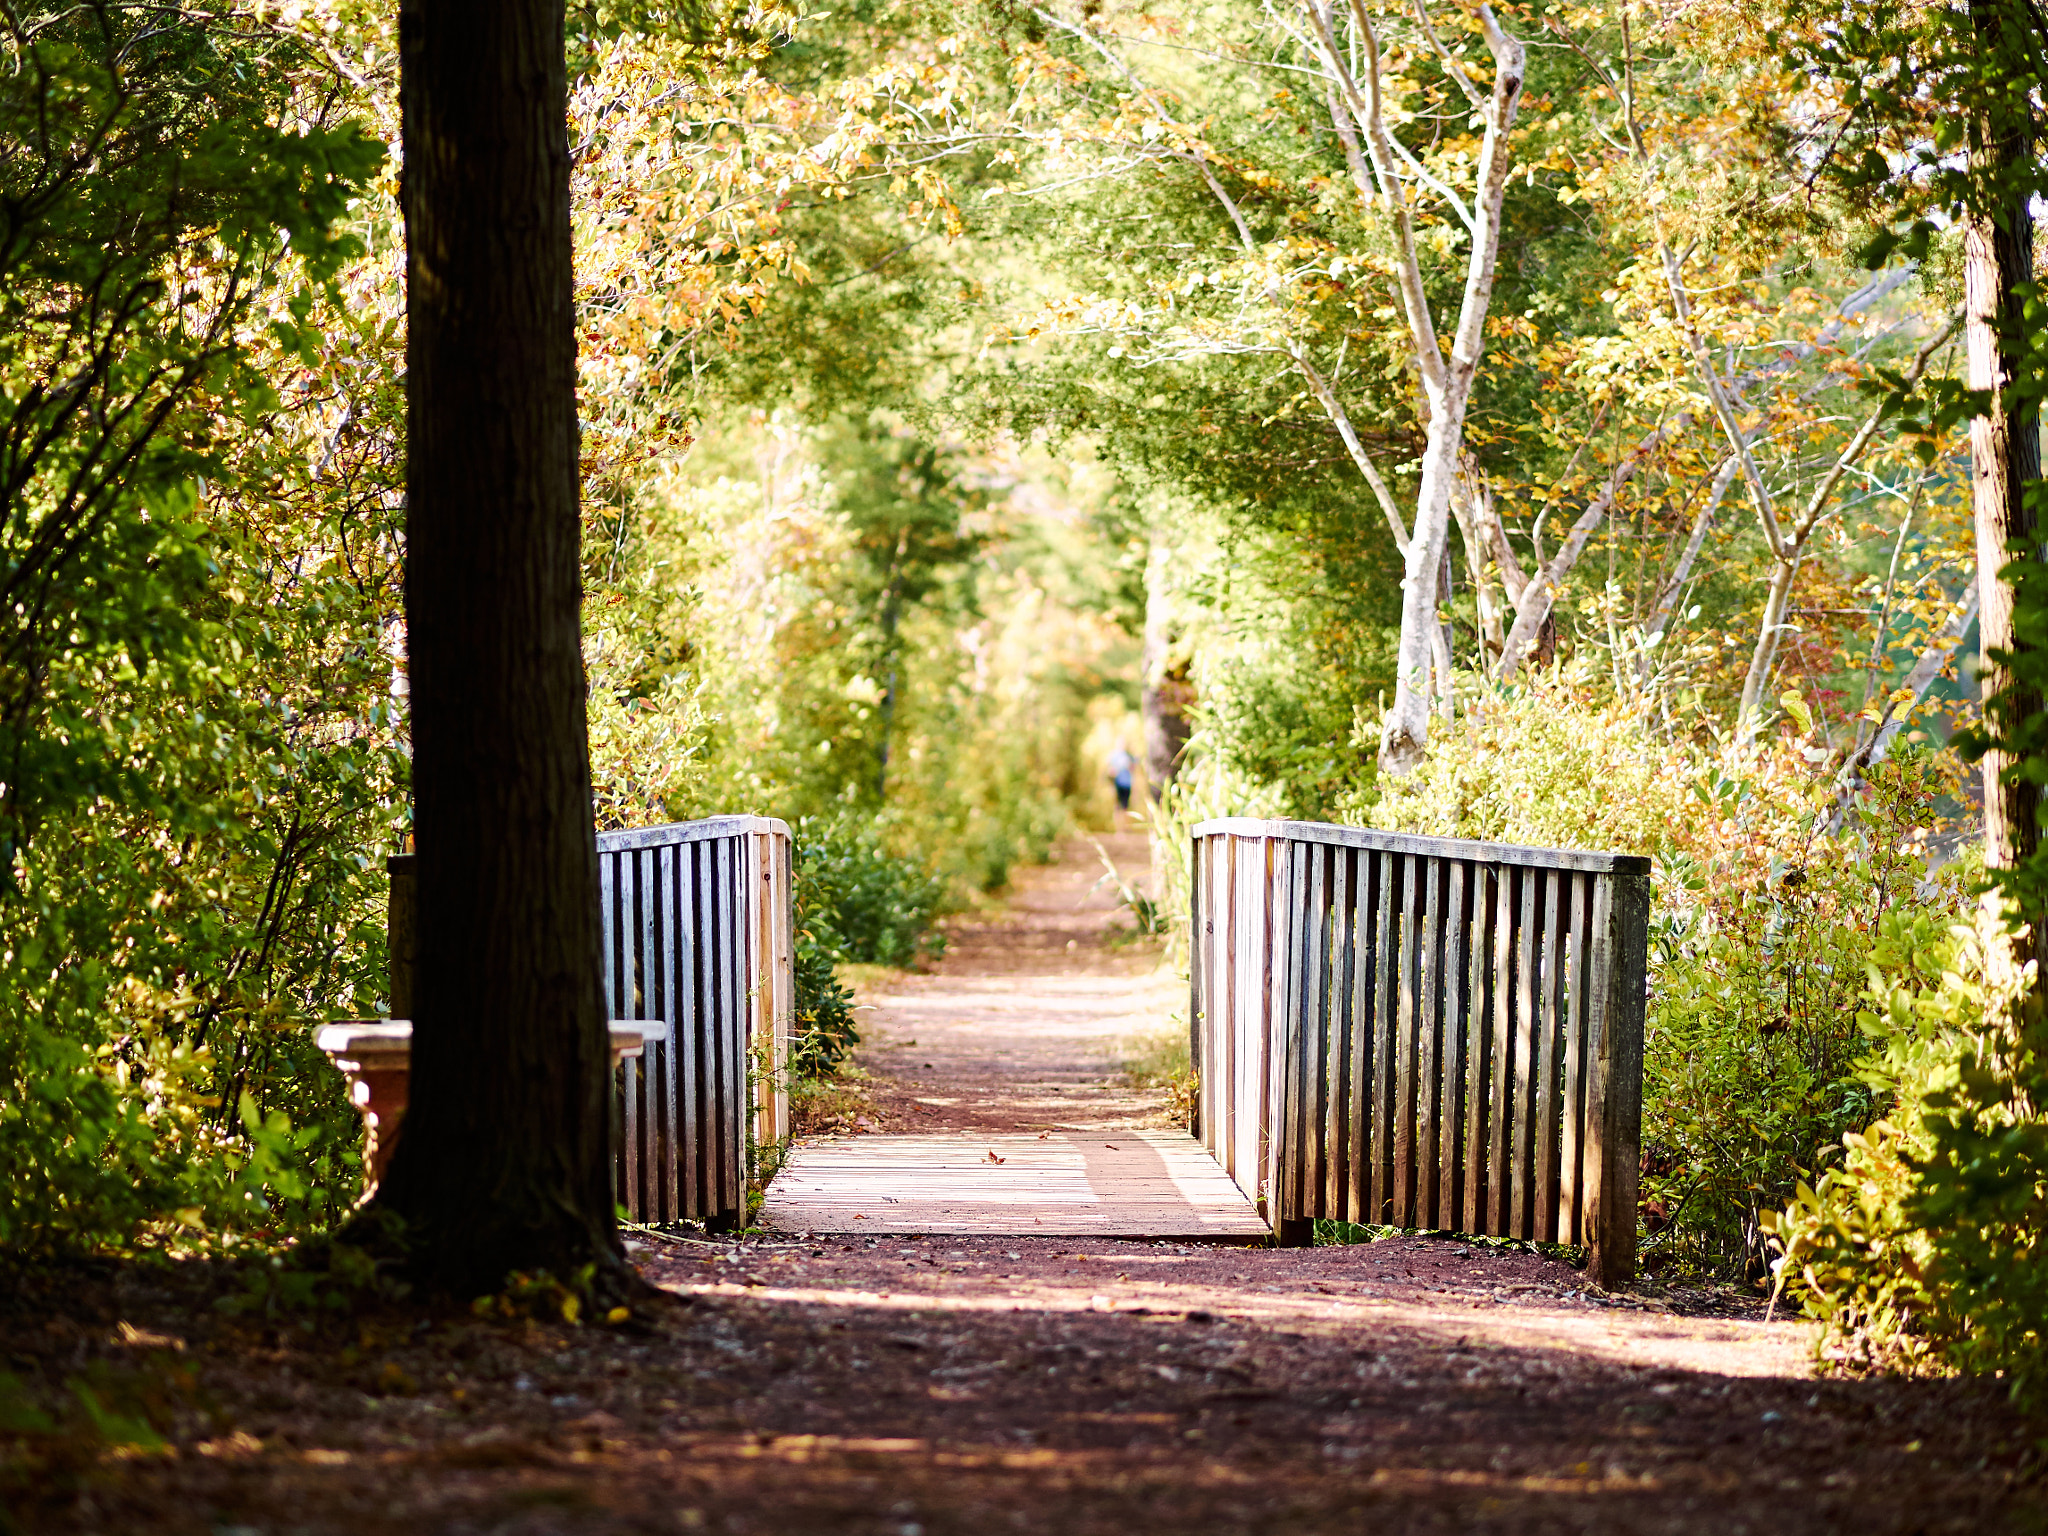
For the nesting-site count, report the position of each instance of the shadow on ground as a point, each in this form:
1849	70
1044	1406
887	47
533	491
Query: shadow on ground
938	1386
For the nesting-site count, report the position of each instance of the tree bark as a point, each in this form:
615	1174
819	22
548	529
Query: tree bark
2005	447
1164	693
1659	627
506	1161
1472	507
1357	113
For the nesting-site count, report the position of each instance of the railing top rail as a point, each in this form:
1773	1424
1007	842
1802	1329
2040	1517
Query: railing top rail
1436	847
688	832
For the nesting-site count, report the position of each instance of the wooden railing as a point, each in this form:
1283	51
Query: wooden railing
1421	1032
697	933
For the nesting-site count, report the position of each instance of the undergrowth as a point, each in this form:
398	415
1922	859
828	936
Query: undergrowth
1160	1059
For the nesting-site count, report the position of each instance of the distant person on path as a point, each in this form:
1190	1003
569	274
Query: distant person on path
1120	765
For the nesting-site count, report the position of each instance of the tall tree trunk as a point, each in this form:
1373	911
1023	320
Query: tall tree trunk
1359	120
2005	447
506	1160
1472	506
1769	634
890	616
1404	732
1163	694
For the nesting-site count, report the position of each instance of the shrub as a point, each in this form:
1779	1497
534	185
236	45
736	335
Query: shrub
1924	1248
1759	946
1767	896
1542	764
854	901
825	1029
862	902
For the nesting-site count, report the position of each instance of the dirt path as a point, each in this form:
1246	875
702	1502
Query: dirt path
994	1099
974	1385
965	1387
1018	1027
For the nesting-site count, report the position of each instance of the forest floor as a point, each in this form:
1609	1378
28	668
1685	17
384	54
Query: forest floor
969	1386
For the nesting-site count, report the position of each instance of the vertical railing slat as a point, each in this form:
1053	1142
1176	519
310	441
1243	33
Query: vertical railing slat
1452	1002
694	901
662	1054
1528	959
1337	1097
1359	1102
1428	1069
1549	1055
1407	948
1501	1132
1571	1174
1253	975
631	910
1312	950
1282	910
1478	1065
1385	1022
731	1036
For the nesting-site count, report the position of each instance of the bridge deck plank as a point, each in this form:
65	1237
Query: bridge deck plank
1098	1184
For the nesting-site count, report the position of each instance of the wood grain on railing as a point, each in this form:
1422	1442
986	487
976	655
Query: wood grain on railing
697	932
1422	1032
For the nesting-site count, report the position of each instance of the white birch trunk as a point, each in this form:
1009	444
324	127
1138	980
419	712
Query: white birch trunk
1357	111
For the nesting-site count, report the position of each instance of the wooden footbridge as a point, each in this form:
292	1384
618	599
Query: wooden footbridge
1408	1031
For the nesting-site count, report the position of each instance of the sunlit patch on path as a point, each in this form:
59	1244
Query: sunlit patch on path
1122	1184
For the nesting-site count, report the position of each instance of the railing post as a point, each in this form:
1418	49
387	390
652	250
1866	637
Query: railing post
1614	1110
1198	953
771	984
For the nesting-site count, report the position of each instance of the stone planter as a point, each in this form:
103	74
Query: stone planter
376	1057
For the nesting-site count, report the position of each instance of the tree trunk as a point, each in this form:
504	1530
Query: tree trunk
1659	627
2005	448
1164	694
1535	622
1472	507
1404	733
1933	661
1771	627
506	1161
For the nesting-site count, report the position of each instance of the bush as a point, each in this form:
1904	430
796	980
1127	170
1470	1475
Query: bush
1751	1049
825	1030
1768	894
1924	1249
862	902
854	901
1540	764
159	1082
